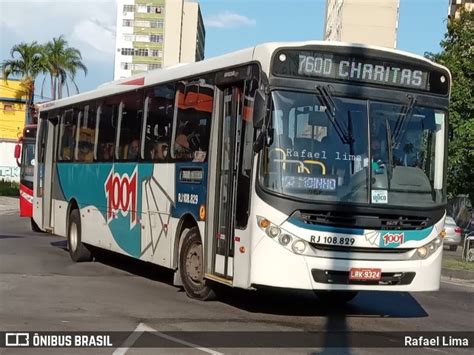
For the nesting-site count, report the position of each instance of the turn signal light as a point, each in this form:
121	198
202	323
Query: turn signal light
263	223
202	212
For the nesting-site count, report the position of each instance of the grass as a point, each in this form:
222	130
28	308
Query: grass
457	264
9	188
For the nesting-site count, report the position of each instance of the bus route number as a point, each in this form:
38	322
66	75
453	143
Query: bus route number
188	198
332	240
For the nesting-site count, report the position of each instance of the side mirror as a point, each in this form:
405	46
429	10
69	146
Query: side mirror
17	151
259	109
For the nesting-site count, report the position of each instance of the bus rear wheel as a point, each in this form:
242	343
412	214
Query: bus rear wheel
77	250
191	267
336	297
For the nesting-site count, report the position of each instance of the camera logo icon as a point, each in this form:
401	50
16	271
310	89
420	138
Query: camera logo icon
17	339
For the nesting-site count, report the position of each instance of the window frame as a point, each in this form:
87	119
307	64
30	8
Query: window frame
145	122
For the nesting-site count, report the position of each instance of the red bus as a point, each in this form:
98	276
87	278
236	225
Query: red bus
25	158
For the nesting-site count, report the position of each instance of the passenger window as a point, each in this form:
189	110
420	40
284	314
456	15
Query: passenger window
194	103
87	126
67	136
108	114
160	109
131	116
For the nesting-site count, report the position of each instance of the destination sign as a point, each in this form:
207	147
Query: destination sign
309	183
350	68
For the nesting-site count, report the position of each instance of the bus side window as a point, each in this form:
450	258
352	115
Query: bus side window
194	102
160	109
130	127
108	111
67	136
87	124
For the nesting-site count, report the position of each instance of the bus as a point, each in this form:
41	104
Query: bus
25	157
307	165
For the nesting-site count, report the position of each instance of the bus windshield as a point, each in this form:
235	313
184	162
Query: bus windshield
324	148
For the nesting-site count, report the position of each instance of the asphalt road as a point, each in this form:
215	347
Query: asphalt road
42	289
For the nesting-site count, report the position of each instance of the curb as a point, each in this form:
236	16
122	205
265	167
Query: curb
458	274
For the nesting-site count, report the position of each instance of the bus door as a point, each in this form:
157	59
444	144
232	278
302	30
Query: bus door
44	177
227	163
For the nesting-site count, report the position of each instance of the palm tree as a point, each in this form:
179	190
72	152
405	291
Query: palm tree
27	62
63	63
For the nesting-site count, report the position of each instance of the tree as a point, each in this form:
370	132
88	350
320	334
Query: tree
27	62
458	55
63	63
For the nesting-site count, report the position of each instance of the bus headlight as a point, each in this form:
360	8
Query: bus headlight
422	252
273	231
288	240
428	249
299	246
285	239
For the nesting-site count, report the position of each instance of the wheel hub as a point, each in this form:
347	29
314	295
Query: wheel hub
194	263
73	237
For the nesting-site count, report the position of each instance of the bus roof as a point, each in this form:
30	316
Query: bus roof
261	53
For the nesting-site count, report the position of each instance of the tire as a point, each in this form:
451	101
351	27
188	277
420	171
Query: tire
336	297
191	267
453	247
77	249
34	226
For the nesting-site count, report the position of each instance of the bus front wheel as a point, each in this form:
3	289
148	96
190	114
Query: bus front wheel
191	267
77	249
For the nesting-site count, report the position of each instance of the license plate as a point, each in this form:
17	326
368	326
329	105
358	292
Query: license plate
362	274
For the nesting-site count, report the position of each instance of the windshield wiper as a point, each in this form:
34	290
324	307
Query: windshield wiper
331	109
403	119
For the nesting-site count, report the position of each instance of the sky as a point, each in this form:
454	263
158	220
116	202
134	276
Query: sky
89	25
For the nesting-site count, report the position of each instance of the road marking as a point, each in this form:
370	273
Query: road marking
132	338
142	327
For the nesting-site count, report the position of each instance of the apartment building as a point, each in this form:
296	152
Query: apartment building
153	34
373	22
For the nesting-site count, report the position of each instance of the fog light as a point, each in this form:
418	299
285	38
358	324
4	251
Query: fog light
299	247
285	239
273	231
432	247
422	251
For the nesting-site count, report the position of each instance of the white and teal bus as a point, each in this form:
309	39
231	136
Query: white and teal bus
313	165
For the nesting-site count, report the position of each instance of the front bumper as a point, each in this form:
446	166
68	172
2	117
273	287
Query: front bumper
275	266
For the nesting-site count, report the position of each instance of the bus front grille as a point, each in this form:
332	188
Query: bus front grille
363	221
342	249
